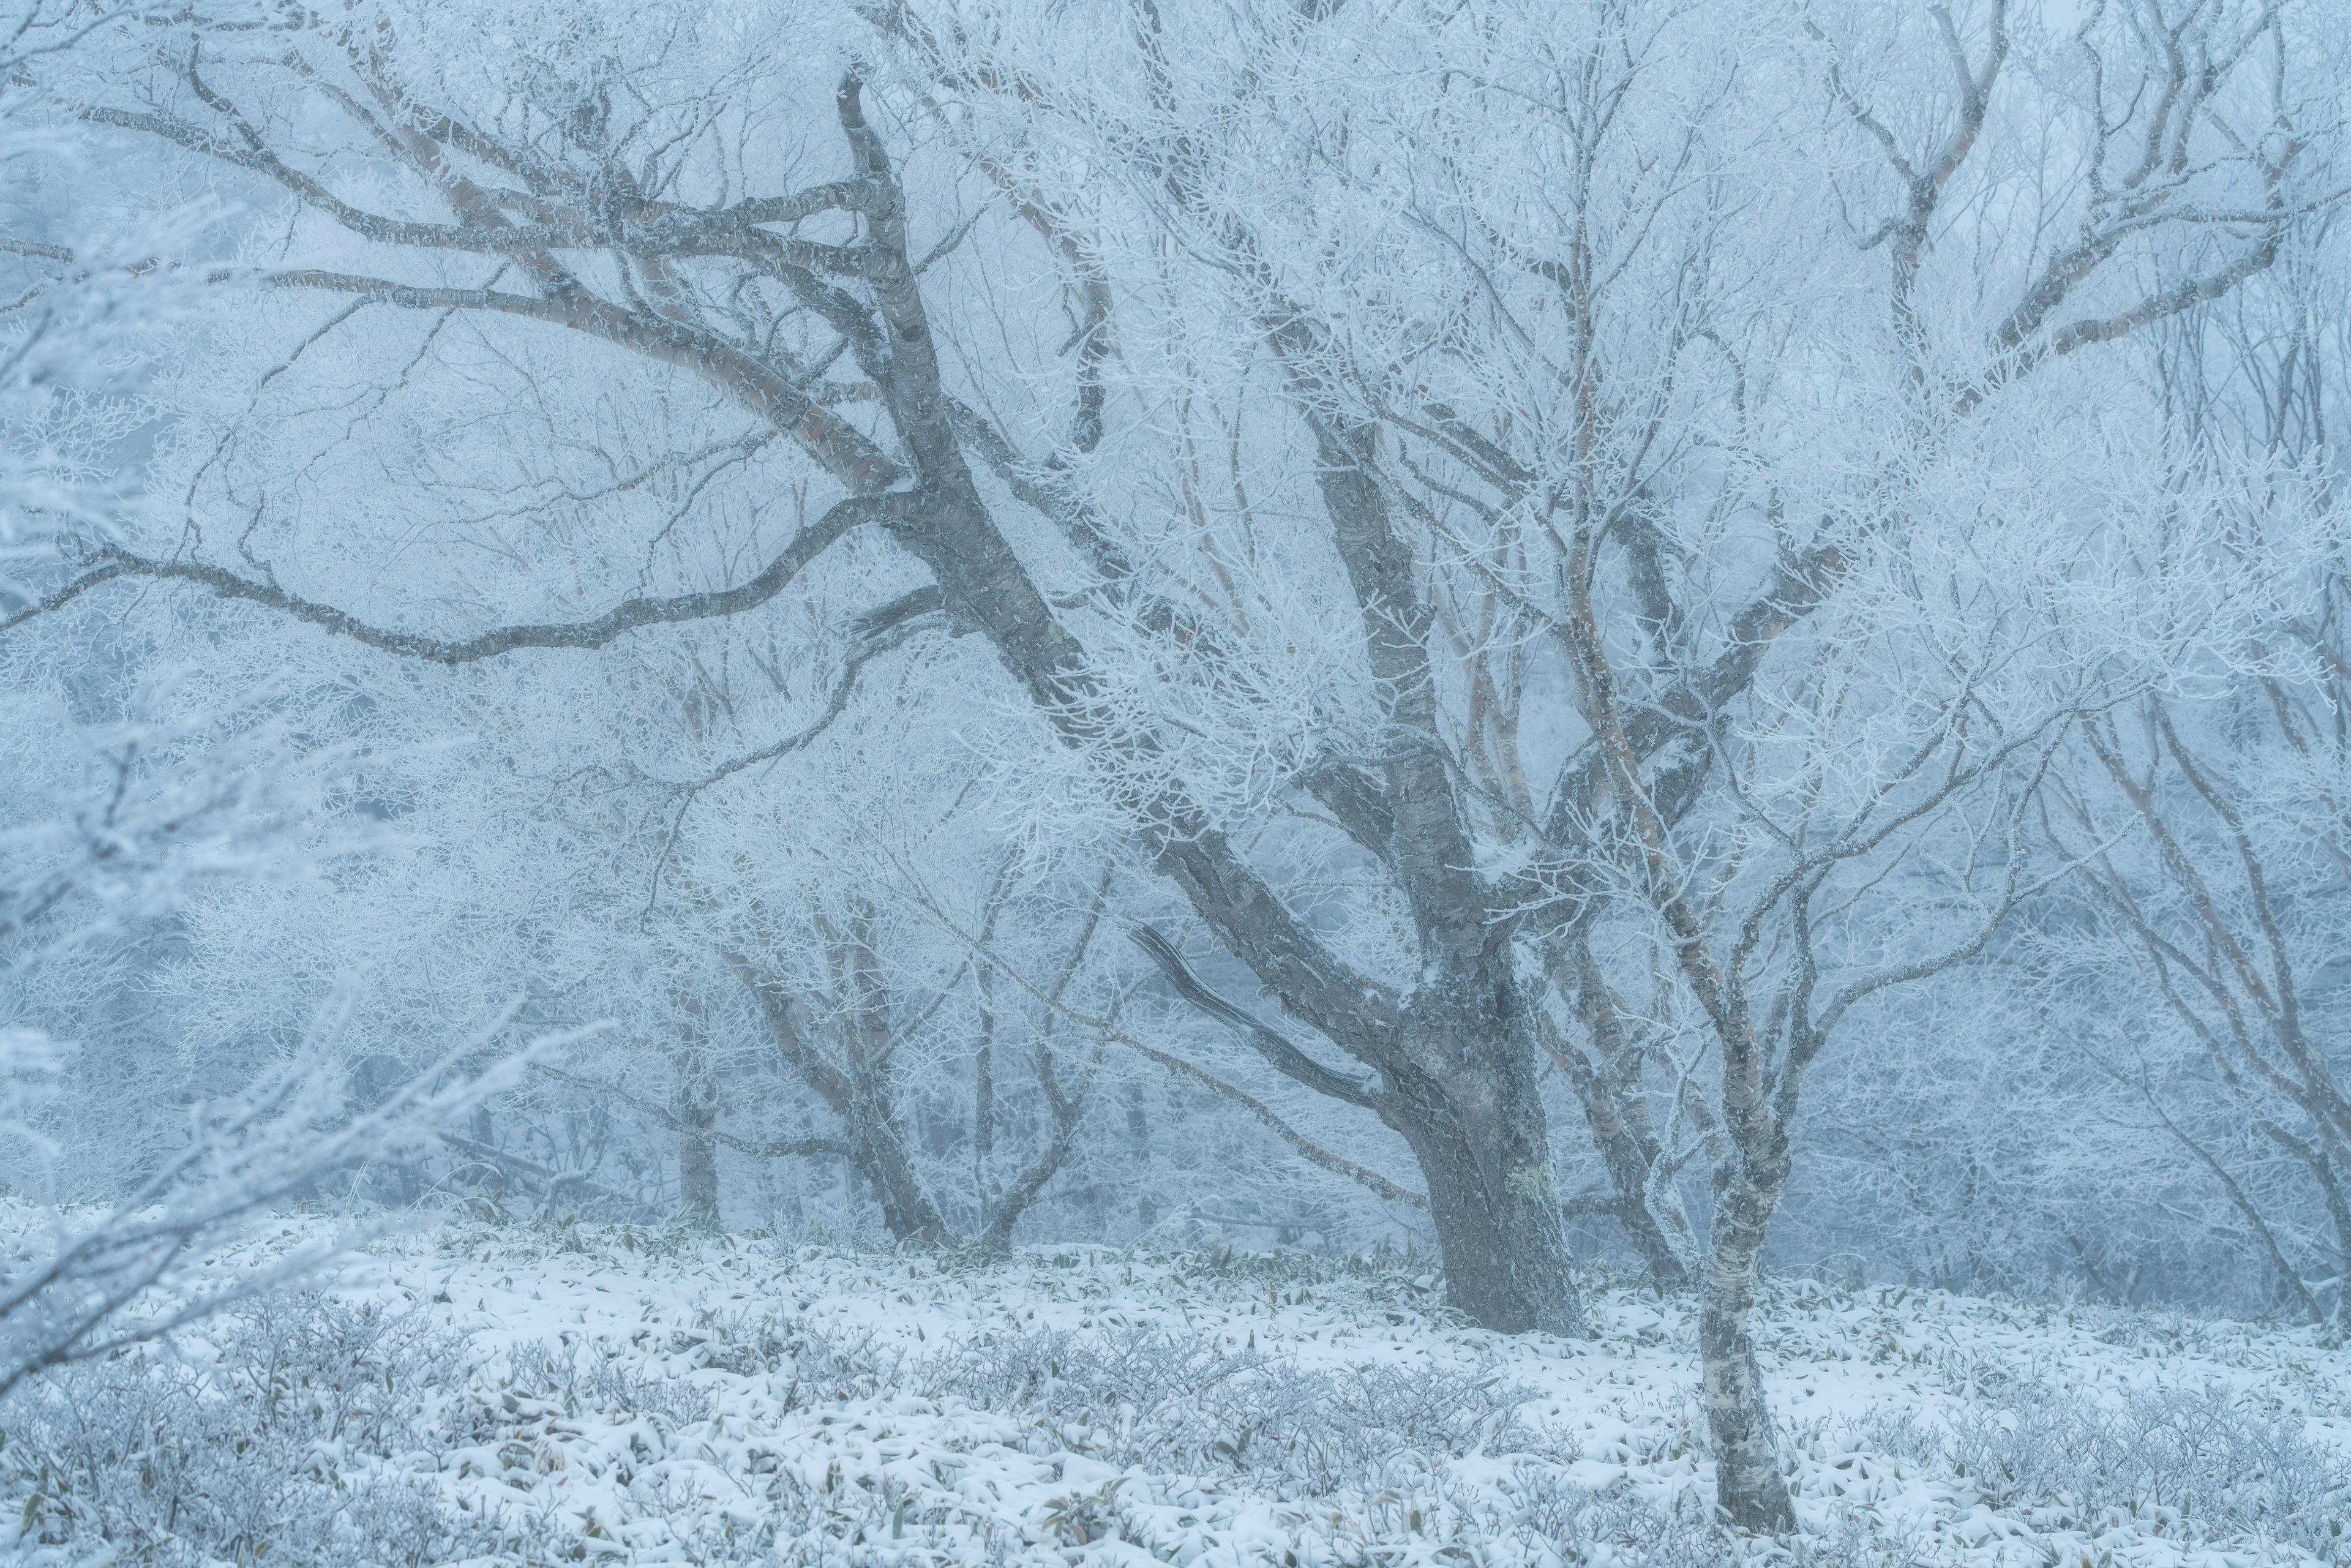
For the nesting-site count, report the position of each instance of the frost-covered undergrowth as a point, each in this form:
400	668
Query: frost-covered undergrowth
508	1393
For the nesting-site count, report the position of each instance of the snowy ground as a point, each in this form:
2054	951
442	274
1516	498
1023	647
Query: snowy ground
507	1394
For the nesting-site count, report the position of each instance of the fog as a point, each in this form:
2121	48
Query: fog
1615	646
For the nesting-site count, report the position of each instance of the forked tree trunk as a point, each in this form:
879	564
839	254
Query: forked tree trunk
907	1211
1065	1108
1629	1159
860	1090
870	1103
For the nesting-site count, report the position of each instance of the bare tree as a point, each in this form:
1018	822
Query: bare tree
105	828
1505	421
1505	389
2211	813
844	1044
1971	742
520	209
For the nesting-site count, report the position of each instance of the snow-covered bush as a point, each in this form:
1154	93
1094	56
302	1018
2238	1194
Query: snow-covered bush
1616	1527
518	1397
590	1383
1170	1400
818	1368
2205	1456
254	1444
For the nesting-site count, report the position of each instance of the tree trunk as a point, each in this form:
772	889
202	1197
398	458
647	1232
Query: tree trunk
697	1179
861	1091
493	1176
1484	1152
1608	1088
1065	1108
2339	1211
694	1106
1138	1142
1628	1165
1616	1107
907	1208
868	1048
983	1100
1747	1482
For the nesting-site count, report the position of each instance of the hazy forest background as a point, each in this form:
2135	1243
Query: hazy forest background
1587	639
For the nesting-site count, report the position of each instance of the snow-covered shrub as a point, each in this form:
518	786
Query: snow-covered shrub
814	1366
254	1444
851	1366
1619	1527
2204	1454
1187	1402
1549	1507
585	1382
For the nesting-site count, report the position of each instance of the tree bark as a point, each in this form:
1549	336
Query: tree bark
1482	1148
870	1104
1628	1158
1460	1086
983	1098
697	1179
1747	1483
1066	1110
693	1105
860	1092
1611	1093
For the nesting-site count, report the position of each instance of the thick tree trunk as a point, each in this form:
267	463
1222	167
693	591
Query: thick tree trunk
1747	1481
1485	1153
